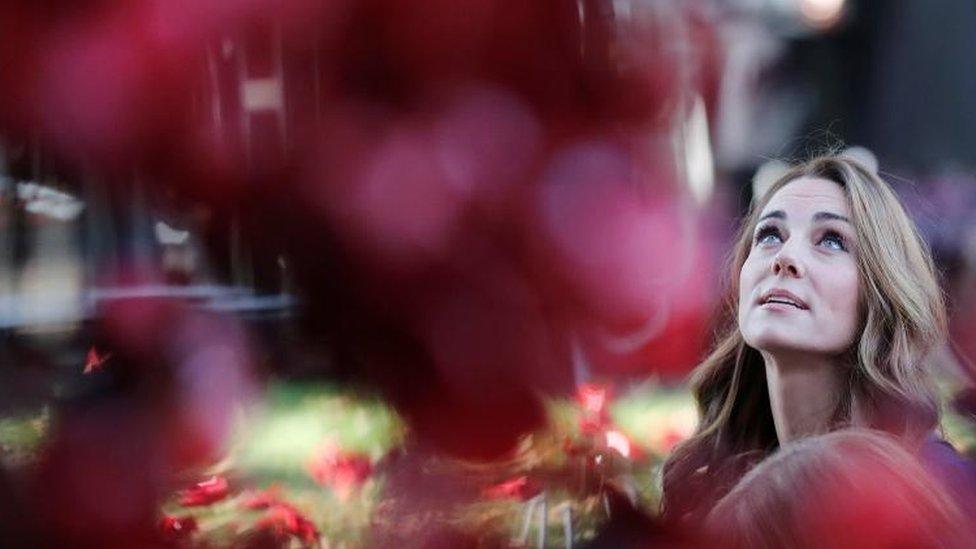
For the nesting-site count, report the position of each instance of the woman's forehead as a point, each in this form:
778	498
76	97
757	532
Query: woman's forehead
809	194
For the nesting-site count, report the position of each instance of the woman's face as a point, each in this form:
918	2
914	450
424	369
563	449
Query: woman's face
799	286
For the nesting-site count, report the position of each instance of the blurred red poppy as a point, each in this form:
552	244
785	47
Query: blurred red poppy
342	471
205	493
520	488
174	528
592	399
261	499
284	520
94	362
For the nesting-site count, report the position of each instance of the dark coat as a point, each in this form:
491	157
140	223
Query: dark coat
956	473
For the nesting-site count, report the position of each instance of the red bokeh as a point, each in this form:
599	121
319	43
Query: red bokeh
464	191
205	492
283	520
340	470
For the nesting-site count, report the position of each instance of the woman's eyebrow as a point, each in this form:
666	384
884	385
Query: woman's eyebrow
777	214
826	216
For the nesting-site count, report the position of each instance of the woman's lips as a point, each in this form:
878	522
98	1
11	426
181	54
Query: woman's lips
783	297
777	306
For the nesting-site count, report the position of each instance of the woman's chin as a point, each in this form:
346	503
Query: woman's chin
785	347
776	342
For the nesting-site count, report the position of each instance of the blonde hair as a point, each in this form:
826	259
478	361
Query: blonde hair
848	488
902	319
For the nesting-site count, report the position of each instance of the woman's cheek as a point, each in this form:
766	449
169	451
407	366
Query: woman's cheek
747	283
846	302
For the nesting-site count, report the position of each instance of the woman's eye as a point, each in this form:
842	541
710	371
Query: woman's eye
768	235
833	241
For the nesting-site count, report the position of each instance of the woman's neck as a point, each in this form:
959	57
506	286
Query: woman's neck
804	391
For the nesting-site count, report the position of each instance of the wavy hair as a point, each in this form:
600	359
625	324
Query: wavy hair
903	319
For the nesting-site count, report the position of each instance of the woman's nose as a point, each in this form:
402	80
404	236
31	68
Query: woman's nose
785	264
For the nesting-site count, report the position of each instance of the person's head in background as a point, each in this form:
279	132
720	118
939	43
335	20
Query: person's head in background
853	488
829	273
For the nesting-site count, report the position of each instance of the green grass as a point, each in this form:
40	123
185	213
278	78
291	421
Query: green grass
276	439
21	437
273	444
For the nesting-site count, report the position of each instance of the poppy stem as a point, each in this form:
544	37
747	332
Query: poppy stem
543	519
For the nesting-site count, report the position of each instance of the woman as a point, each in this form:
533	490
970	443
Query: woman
848	488
834	306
